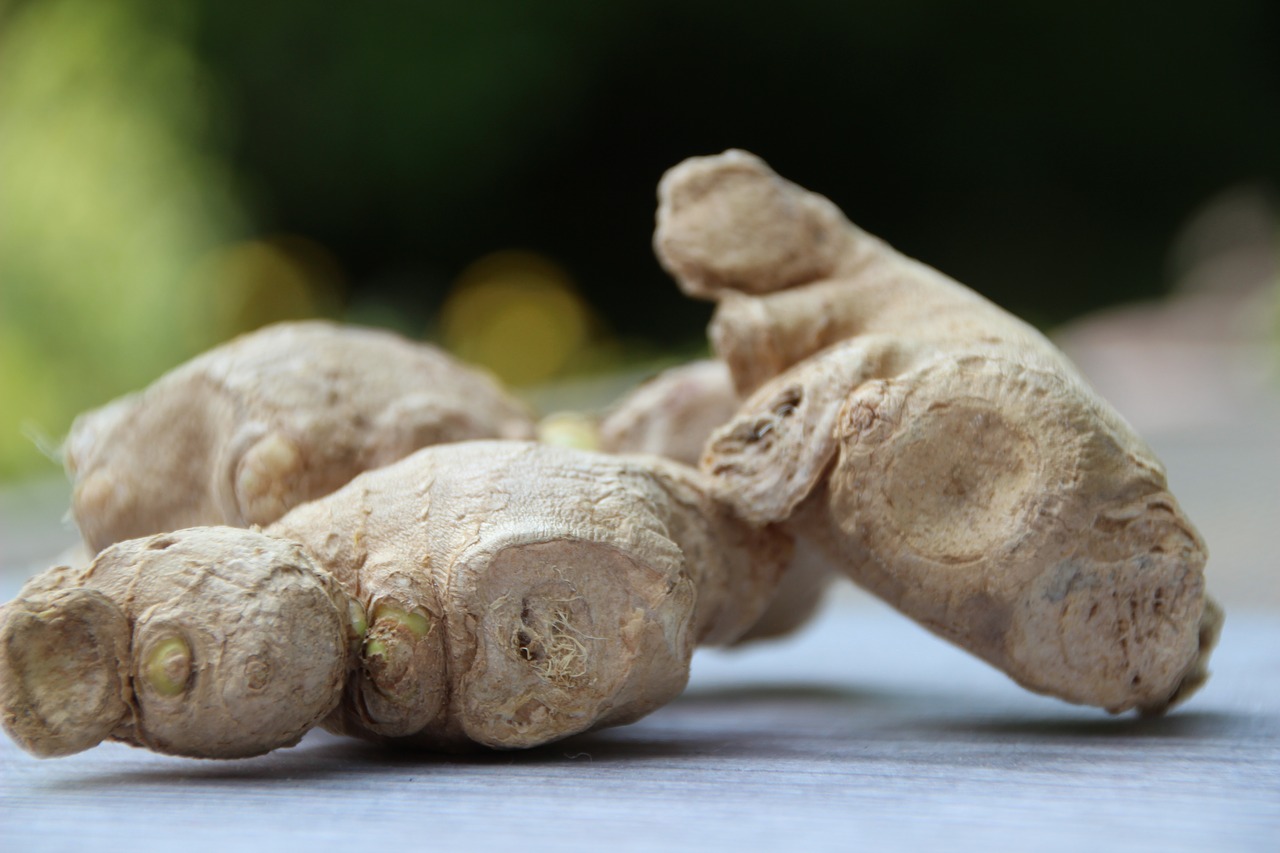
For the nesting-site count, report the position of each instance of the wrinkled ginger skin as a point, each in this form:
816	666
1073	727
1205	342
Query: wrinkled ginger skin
209	642
942	451
673	415
500	593
274	418
561	590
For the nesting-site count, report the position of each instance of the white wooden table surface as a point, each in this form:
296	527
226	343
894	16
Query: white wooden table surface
862	733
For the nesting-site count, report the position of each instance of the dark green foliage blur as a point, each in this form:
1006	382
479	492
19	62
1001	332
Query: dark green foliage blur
175	171
1042	152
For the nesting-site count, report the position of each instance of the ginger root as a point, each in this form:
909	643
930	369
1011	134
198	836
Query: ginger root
502	593
673	415
670	415
941	451
250	429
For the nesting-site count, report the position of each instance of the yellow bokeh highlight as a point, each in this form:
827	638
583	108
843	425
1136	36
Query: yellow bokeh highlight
253	283
518	315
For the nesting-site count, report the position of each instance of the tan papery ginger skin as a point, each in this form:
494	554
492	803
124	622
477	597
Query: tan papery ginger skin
673	414
250	429
945	453
501	593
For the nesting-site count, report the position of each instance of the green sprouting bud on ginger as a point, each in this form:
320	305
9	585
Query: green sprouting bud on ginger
167	666
500	593
944	453
277	417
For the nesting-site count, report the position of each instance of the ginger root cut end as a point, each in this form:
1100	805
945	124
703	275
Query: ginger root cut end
63	688
570	635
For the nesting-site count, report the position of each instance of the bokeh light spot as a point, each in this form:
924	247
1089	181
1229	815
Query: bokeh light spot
519	315
256	282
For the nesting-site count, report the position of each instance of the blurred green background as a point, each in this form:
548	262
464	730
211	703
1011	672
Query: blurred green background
482	174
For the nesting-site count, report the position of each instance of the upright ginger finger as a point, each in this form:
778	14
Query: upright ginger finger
248	430
502	593
672	415
846	283
945	453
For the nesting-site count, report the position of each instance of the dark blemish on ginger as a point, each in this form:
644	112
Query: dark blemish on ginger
787	403
1065	576
987	619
